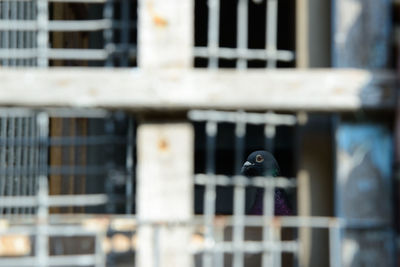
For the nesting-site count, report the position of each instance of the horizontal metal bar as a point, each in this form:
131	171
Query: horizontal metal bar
57	25
66	1
221	221
54	201
79	25
18	25
302	221
72	260
57	170
51	230
249	118
64	140
253	247
94	113
6	53
259	181
77	54
249	54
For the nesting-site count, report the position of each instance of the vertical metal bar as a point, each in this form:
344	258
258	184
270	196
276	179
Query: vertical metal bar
3	164
268	258
99	254
32	34
210	191
42	242
10	160
334	246
156	244
125	31
20	41
36	160
31	155
18	154
5	33
108	33
219	235
268	212
42	245
272	29
213	32
239	194
269	135
129	168
13	34
43	34
242	23
25	156
277	254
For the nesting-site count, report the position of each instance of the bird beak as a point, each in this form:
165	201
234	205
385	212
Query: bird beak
247	164
245	167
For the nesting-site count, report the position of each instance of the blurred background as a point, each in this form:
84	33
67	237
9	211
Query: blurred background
124	125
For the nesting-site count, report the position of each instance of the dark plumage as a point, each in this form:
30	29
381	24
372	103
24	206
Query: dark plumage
263	163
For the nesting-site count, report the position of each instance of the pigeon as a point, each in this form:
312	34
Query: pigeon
263	163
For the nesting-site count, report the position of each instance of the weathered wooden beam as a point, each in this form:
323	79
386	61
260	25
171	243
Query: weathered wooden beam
165	34
312	90
164	193
312	33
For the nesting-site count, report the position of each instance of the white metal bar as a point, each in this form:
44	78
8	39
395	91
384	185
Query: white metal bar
43	32
272	30
239	193
56	25
335	259
108	33
64	1
55	200
84	54
246	54
242	24
42	241
210	192
5	34
268	212
59	260
258	181
21	35
213	33
250	118
13	34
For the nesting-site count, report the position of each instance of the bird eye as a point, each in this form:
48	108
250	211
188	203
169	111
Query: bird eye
259	158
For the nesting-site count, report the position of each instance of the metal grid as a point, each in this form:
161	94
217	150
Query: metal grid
271	246
25	28
38	180
242	54
81	152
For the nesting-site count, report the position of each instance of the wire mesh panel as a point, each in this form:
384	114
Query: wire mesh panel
61	161
18	46
68	32
241	235
19	156
240	42
244	193
81	153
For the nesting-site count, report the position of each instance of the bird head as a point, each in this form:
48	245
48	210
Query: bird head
260	163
